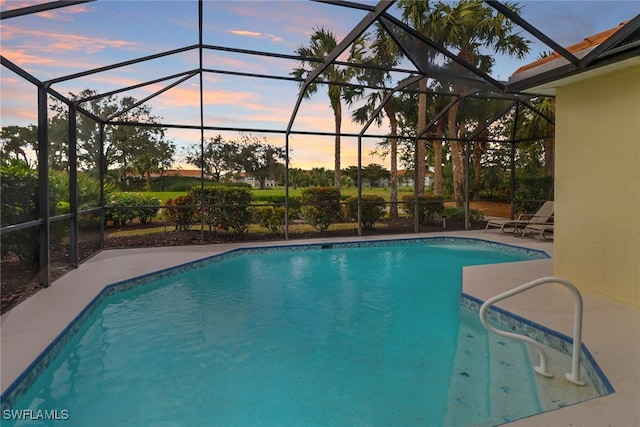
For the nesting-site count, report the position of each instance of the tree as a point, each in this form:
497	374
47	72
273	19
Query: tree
375	173
473	114
217	159
88	133
122	143
417	13
385	55
297	178
256	157
320	177
323	42
157	157
472	28
535	125
352	173
58	144
127	142
15	139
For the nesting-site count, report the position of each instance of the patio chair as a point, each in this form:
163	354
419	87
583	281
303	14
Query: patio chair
540	229
542	216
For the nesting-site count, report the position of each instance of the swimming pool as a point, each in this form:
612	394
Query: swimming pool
341	334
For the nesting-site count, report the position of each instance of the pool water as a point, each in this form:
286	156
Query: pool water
339	336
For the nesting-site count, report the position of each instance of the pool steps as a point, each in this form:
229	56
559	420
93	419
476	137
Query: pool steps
497	367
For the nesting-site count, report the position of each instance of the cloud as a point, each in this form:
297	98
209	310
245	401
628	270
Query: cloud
20	57
58	43
247	33
60	14
65	13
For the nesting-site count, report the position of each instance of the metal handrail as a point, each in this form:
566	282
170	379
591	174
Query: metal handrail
574	375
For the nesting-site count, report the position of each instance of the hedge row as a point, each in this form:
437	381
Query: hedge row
228	209
122	208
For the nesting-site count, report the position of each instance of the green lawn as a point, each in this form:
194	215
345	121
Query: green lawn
279	191
164	195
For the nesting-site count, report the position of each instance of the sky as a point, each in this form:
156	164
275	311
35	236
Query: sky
84	37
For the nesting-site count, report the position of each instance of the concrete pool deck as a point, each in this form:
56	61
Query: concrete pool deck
611	332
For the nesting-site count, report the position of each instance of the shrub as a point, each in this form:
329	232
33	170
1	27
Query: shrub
179	183
321	207
373	209
122	208
18	199
271	218
181	212
88	189
456	214
277	199
225	207
430	207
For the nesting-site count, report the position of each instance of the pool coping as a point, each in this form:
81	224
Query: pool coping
197	254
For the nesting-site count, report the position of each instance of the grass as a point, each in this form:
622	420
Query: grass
280	191
164	195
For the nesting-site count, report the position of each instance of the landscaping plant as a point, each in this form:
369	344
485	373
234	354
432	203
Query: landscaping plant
321	207
373	209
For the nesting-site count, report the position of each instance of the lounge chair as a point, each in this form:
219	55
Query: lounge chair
542	216
540	229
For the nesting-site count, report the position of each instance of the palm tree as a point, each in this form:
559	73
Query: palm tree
535	125
385	55
476	112
322	42
417	14
471	27
439	103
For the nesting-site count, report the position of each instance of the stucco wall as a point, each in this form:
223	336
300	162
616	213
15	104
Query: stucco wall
597	238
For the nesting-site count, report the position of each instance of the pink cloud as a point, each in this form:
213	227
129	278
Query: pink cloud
20	57
65	13
60	14
47	42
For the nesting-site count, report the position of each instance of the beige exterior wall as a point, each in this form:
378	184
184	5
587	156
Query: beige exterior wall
597	238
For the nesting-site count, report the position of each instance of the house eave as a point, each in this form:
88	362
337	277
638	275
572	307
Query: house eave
544	79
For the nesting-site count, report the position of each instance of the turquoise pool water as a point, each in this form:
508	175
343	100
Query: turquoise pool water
335	336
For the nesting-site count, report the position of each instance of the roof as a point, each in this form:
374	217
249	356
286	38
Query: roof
600	53
588	43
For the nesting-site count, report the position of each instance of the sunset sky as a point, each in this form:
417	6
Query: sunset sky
91	35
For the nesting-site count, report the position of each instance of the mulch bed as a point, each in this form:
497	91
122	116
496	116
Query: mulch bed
195	237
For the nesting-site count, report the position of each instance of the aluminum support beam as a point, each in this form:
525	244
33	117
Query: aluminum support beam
73	185
43	189
514	17
631	26
44	7
513	162
356	32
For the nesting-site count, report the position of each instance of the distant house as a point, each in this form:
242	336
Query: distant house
405	178
381	183
253	181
